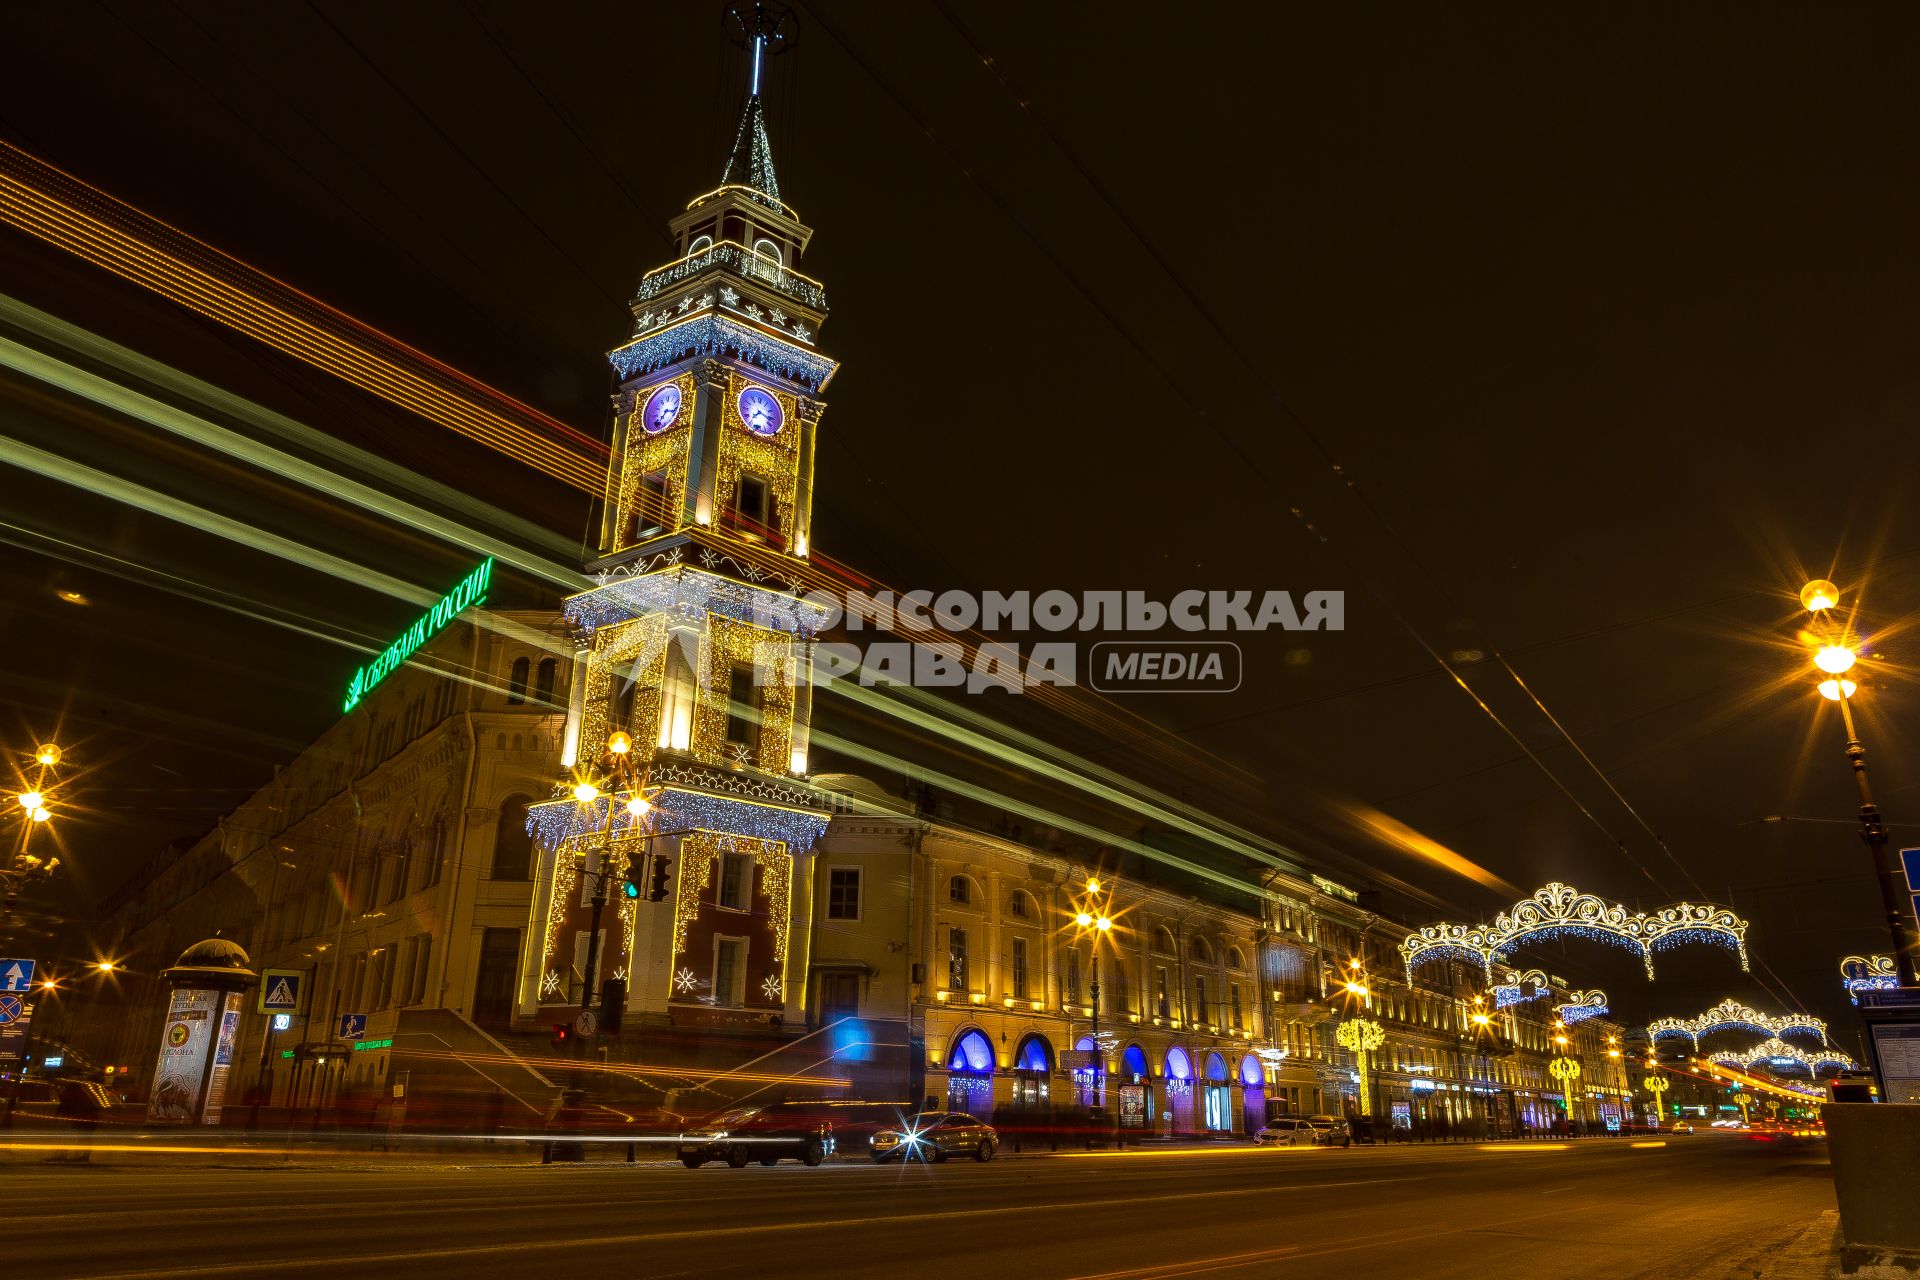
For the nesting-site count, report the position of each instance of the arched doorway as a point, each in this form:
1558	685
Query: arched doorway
1086	1080
1135	1098
1253	1093
1216	1097
1179	1089
1032	1073
970	1075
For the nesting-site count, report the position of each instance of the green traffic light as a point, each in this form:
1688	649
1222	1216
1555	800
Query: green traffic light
630	889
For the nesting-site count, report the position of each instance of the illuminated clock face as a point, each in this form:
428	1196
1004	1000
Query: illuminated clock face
663	406
760	411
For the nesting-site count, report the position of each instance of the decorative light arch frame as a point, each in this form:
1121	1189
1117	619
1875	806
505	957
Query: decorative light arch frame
1559	910
1581	1005
1868	973
1511	989
1773	1051
1731	1015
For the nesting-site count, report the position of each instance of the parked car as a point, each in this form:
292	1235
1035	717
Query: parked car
65	1103
1330	1131
1287	1131
935	1135
766	1134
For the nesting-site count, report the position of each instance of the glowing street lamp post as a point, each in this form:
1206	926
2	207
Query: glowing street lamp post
1099	923
1657	1086
1362	1036
1835	658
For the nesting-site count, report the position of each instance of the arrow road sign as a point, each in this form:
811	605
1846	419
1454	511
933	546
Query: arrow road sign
11	1010
353	1026
16	975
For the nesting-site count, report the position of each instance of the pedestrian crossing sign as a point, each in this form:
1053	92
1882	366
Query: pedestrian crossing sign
280	990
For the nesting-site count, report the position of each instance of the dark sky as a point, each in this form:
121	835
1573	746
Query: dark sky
1605	318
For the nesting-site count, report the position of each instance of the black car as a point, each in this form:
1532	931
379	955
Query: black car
767	1134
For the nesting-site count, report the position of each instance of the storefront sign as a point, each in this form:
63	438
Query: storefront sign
471	590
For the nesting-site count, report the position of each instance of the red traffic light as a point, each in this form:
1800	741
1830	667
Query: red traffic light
561	1032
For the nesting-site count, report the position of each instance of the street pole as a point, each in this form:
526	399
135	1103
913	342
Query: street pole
1874	834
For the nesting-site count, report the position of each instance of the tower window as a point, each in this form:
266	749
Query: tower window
649	513
543	684
743	705
700	245
766	248
751	503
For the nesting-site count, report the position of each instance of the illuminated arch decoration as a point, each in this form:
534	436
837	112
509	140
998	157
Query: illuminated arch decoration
1868	973
1731	1015
1216	1068
1133	1063
972	1055
1252	1074
1777	1053
1512	988
1034	1054
1581	1005
1559	910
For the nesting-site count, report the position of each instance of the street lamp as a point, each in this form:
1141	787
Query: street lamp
1098	923
1835	658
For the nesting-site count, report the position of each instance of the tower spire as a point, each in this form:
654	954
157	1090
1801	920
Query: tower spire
764	30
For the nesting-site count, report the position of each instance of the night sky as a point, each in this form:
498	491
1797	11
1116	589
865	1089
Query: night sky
1605	321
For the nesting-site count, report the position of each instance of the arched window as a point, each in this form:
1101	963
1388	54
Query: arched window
512	843
543	685
972	1054
1252	1075
1133	1064
1235	960
700	245
1199	950
960	890
766	248
1163	939
1020	905
517	681
1179	1065
1216	1068
1034	1054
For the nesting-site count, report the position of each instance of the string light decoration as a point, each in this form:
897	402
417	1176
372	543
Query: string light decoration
642	646
1731	1015
774	459
1868	973
1512	987
1559	910
707	333
1581	1005
1776	1053
1657	1086
1362	1036
700	850
651	451
669	585
769	654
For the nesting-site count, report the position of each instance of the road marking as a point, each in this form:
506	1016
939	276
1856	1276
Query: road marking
283	1266
1167	1270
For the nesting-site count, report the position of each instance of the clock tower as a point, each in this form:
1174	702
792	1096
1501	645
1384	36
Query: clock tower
686	743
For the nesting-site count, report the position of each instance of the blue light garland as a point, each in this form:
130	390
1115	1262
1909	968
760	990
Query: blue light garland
715	335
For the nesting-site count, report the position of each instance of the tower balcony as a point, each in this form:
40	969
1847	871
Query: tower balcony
740	260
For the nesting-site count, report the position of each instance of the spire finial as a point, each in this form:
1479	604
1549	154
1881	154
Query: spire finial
764	30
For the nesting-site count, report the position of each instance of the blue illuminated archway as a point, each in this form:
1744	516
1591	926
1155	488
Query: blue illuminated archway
1216	1068
1034	1054
972	1055
1179	1065
1133	1063
1252	1075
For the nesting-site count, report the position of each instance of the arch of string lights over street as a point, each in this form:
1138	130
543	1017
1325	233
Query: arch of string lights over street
1867	973
1517	987
1777	1054
1731	1015
1561	911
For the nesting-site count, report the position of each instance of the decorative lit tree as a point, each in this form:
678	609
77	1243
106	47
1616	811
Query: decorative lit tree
1566	1071
1657	1086
1362	1036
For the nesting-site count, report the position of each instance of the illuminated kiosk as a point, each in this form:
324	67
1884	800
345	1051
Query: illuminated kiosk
686	738
202	1026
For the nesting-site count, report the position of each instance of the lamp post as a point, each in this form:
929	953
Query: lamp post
1362	1036
36	810
1095	922
1835	658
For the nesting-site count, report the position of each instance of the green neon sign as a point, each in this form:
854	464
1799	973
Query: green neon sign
472	589
366	1046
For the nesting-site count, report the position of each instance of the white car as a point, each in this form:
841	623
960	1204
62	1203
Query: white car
1287	1131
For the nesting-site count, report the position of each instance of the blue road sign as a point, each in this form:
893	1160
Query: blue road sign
280	990
353	1026
16	975
1909	863
11	1009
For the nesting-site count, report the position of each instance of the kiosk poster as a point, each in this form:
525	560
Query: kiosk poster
186	1041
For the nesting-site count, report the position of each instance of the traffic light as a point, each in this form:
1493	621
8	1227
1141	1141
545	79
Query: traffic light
657	891
630	887
561	1034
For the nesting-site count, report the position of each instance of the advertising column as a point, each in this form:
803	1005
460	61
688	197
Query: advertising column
198	1038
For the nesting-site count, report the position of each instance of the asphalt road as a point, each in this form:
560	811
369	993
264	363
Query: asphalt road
1707	1206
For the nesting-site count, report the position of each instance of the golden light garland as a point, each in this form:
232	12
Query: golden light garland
772	458
728	644
645	639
